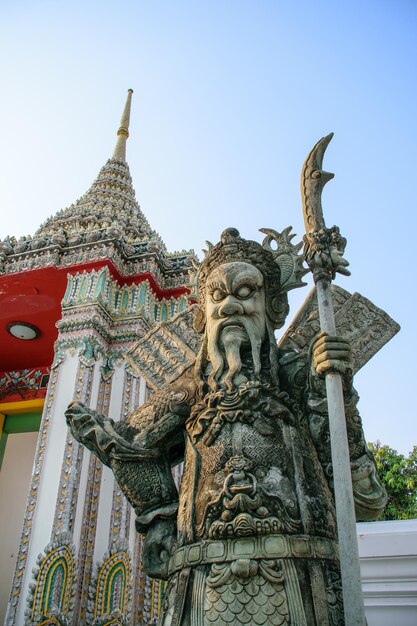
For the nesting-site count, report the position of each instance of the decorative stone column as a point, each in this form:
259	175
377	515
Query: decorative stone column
66	568
121	281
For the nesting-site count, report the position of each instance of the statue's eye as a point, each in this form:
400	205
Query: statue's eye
244	292
218	295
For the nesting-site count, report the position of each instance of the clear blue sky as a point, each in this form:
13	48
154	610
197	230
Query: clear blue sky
229	98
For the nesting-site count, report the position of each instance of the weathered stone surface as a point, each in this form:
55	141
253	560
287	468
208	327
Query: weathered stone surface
165	352
251	536
366	327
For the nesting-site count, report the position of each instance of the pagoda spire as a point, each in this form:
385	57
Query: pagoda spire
123	132
109	207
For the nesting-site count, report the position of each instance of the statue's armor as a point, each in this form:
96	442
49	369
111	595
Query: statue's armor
257	540
255	513
250	483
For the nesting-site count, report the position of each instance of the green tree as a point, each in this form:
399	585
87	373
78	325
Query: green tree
399	475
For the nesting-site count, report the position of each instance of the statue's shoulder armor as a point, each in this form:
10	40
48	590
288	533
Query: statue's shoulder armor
176	398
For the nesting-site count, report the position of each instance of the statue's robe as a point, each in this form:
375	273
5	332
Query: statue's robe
257	537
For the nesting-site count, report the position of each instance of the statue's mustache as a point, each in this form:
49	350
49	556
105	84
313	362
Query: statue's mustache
224	350
239	321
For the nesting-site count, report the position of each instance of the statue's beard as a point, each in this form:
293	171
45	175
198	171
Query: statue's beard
229	348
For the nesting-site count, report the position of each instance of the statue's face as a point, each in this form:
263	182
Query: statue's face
235	299
235	317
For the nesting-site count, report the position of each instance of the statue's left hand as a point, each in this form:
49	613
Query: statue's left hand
77	413
332	353
86	426
159	541
79	419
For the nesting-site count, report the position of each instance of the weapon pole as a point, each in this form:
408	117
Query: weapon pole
323	250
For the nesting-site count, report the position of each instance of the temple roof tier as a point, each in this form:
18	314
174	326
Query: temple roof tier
106	223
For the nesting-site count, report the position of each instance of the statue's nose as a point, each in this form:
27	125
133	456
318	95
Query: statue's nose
230	306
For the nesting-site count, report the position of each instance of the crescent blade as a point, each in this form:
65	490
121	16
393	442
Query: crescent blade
313	179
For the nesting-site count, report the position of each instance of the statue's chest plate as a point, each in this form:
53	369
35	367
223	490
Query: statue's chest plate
251	469
245	483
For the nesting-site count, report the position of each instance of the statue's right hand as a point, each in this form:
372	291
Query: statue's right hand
159	541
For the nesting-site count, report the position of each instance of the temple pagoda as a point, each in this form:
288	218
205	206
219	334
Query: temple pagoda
74	297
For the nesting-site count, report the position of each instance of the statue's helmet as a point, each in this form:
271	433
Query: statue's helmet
281	267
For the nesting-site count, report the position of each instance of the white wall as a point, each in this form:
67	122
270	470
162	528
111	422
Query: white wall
15	477
388	558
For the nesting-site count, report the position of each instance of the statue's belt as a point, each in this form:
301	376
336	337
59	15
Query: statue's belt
259	547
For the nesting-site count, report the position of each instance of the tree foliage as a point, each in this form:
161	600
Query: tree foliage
399	475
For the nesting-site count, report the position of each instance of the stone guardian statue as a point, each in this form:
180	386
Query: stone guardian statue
251	536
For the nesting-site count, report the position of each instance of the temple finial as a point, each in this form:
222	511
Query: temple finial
123	132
